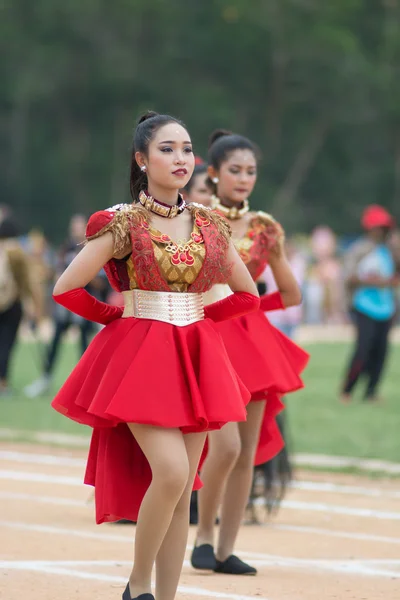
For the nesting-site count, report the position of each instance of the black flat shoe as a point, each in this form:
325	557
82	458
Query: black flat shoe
127	595
203	558
234	566
124	522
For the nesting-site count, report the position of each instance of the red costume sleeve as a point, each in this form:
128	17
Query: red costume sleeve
80	302
235	305
271	302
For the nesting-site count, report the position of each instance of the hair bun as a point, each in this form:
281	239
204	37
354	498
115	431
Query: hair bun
216	135
147	115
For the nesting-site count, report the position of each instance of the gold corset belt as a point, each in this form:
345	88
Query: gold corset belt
176	308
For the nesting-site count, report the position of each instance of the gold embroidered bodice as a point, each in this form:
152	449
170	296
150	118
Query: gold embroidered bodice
155	262
179	262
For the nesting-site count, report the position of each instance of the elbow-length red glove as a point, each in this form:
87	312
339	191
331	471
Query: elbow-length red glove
272	301
235	305
80	302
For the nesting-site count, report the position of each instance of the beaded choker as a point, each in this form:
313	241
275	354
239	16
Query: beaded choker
232	212
161	209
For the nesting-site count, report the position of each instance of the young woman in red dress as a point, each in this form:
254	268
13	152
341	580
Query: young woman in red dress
157	377
268	363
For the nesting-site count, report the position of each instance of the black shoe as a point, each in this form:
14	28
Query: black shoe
124	522
203	558
234	566
127	595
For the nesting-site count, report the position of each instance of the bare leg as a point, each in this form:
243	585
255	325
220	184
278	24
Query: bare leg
238	486
166	452
224	449
172	552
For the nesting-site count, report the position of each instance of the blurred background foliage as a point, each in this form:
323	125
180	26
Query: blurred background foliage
315	84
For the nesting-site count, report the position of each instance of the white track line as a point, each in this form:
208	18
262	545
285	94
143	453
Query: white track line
358	567
320	507
355	567
80	533
316	486
342	510
41	459
301	459
42	499
50	570
287	504
128	563
40	478
49	459
365	537
293	528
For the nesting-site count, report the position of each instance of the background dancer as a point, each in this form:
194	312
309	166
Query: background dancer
198	188
272	478
267	362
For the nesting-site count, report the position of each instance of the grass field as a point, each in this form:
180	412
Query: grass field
317	422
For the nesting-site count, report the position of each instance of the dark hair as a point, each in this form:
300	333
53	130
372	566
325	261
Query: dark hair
8	229
222	143
198	170
147	126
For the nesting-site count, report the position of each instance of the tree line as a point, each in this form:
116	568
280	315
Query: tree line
315	84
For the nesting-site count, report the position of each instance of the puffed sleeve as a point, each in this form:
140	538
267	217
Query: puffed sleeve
114	220
98	224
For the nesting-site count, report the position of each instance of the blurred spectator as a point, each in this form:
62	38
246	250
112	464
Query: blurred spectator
287	320
370	276
40	265
323	292
64	319
16	286
5	212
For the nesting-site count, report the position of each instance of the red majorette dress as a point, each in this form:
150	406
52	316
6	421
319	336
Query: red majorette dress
267	361
148	371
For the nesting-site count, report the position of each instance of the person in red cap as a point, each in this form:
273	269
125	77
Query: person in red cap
371	279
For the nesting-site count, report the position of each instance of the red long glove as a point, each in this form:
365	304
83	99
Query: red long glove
271	302
235	305
80	302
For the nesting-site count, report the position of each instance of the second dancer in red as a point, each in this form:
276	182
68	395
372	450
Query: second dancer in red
268	363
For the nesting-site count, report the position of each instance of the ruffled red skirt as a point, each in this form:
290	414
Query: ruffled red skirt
270	365
148	372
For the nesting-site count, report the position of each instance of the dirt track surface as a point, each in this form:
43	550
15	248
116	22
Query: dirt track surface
336	537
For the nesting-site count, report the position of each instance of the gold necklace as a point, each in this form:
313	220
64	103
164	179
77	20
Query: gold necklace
161	209
232	212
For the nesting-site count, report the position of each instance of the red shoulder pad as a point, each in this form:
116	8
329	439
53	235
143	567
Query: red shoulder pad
98	221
